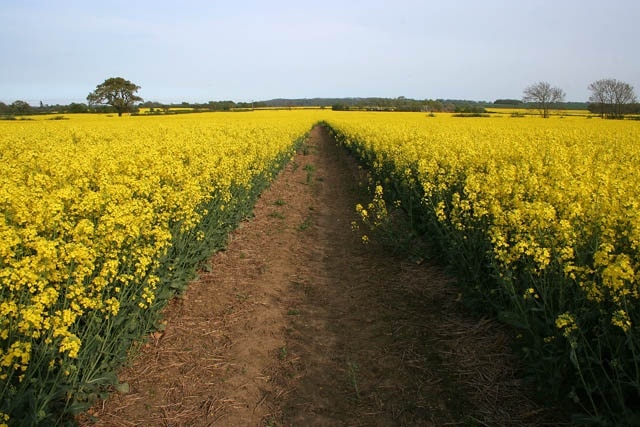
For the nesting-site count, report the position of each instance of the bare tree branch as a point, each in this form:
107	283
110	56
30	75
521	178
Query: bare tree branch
544	96
609	96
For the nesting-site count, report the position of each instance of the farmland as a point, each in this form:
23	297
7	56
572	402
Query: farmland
539	218
105	218
102	220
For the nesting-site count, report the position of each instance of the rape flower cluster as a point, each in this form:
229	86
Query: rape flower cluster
90	208
540	216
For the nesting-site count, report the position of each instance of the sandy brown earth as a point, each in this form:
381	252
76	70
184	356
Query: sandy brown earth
297	323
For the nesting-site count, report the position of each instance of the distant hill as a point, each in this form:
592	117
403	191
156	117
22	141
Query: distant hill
405	104
375	103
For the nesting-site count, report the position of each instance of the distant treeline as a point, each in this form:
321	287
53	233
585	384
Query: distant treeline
340	104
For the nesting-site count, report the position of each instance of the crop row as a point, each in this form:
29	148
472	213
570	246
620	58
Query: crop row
541	221
103	219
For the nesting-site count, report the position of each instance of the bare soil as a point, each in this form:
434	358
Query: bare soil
298	323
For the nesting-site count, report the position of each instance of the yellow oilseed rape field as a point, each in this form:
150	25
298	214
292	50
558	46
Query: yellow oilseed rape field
102	218
541	220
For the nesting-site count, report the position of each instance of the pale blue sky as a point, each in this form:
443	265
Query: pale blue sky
197	51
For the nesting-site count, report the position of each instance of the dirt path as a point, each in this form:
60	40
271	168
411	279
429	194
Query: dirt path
298	323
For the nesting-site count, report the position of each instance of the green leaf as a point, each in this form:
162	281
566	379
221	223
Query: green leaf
122	388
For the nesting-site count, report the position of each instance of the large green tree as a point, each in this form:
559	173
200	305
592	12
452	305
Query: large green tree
117	92
20	107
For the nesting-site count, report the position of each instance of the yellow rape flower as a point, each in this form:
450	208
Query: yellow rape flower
567	324
71	345
621	319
